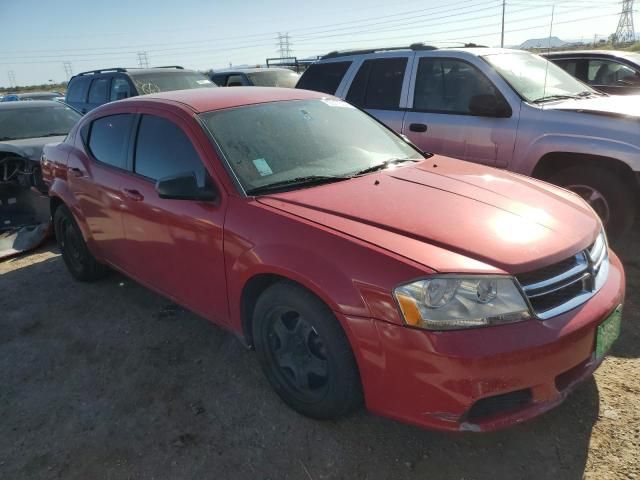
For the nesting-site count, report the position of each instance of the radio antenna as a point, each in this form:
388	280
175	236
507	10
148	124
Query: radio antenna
546	70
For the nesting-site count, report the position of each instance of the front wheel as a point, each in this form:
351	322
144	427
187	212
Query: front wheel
610	196
304	353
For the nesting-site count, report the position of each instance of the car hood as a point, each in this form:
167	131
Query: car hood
451	216
30	148
614	105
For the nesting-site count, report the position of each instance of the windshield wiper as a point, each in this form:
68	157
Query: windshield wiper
550	98
295	182
383	165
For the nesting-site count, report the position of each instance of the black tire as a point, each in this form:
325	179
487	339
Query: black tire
79	260
313	335
617	206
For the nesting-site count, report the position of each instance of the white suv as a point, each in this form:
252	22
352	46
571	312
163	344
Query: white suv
504	108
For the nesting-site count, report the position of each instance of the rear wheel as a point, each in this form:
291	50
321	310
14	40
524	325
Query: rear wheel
611	196
304	352
79	260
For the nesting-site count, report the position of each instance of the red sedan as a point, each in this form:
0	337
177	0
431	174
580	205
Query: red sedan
442	293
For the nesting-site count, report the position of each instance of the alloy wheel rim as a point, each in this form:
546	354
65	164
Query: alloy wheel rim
299	354
594	198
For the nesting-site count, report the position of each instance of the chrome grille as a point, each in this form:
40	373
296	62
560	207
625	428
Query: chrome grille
565	285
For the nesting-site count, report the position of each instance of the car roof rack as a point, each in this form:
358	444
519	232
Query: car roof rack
103	70
346	53
171	66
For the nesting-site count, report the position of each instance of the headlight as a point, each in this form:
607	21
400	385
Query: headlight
451	302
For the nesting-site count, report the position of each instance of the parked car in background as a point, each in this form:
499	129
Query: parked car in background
25	127
256	77
610	71
14	97
89	90
446	294
504	108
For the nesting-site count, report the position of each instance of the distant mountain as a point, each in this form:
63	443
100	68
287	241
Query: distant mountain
553	42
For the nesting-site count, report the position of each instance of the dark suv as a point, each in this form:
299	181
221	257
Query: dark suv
89	90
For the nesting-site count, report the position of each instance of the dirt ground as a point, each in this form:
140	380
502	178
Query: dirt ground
110	381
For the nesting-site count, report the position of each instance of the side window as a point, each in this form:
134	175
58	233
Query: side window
447	86
607	72
78	89
323	77
119	89
220	80
98	90
109	139
378	84
570	66
163	149
235	81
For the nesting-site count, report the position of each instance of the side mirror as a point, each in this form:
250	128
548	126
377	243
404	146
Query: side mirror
489	106
184	187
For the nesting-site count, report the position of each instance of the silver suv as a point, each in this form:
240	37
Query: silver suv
504	108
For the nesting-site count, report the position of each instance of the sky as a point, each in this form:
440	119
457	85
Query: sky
38	37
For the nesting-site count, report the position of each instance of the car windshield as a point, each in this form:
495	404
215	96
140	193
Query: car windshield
535	78
274	78
157	82
34	122
280	142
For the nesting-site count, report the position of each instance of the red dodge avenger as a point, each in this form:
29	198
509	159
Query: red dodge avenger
441	293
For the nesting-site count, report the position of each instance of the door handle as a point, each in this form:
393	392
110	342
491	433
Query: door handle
418	127
76	172
133	194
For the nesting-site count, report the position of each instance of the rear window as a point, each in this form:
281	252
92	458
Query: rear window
277	78
323	77
77	90
378	84
109	138
98	90
155	82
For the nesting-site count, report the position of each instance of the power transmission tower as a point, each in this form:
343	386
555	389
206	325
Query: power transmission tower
625	32
68	71
284	45
12	78
143	60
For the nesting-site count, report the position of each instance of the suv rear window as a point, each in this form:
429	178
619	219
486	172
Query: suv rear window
98	90
77	91
378	84
323	77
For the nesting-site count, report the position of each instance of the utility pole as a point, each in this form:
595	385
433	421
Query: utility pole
625	32
68	70
12	78
504	4
143	60
284	45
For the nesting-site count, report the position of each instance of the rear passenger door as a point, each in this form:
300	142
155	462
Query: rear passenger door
380	87
438	118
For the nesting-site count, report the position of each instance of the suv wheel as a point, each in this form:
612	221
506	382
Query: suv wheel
610	196
79	260
304	353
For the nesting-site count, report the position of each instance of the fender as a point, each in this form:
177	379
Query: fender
301	265
577	144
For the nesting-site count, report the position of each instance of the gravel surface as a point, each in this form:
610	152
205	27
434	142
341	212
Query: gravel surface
111	381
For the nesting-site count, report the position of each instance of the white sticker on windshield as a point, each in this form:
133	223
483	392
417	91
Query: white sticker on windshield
336	103
263	167
203	82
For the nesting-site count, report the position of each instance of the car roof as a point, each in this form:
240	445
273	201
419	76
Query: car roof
31	104
207	99
476	51
143	71
251	70
608	53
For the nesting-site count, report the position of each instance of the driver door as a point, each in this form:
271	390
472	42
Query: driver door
438	119
175	246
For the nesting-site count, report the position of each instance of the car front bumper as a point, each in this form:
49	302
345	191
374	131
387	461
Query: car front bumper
480	379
